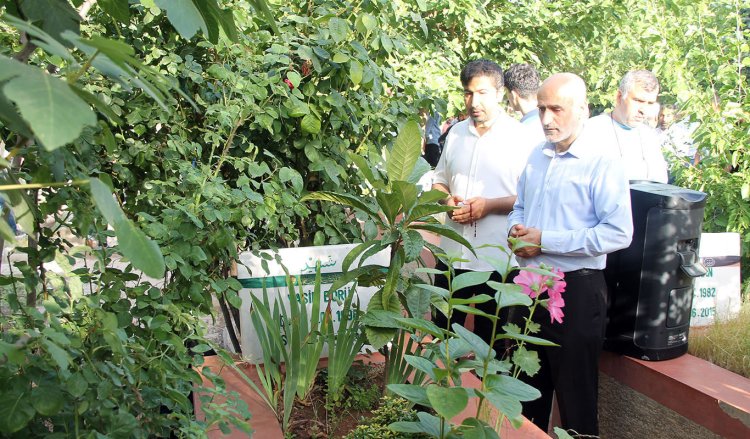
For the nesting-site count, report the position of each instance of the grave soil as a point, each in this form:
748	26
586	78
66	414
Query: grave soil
312	419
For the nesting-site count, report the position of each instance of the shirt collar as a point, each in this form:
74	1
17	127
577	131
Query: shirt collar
491	124
530	114
580	147
621	125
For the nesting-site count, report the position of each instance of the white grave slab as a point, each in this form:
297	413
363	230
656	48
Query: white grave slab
300	262
717	294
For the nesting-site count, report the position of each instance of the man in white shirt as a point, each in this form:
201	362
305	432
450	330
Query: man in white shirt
623	132
574	204
482	159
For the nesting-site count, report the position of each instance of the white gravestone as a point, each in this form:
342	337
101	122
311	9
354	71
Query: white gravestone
300	262
717	294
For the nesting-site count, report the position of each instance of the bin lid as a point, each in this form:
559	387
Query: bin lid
673	197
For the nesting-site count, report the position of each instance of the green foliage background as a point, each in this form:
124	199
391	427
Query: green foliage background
209	120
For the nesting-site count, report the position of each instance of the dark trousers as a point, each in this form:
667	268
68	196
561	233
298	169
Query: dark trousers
482	325
572	369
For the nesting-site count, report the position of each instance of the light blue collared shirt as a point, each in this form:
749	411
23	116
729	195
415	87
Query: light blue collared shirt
532	118
579	199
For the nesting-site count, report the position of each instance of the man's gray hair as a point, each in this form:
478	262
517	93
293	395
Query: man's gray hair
645	78
523	78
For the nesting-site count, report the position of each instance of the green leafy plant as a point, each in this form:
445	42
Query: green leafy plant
343	344
392	409
398	211
461	350
294	338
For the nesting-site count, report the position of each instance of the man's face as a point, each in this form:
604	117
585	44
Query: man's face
633	108
482	99
561	117
666	118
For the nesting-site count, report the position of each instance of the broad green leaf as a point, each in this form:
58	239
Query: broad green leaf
11	352
470	279
217	19
527	361
55	17
378	337
527	338
58	354
479	346
16	411
392	278
406	150
142	252
184	16
562	434
339	29
118	9
355	71
413	244
390	204
474	311
76	385
447	401
423	364
421	211
380	318
310	124
426	326
428	424
105	201
443	230
481	298
514	387
47	400
506	404
265	12
299	108
473	428
361	164
345	199
412	392
417	301
10	118
431	196
745	191
40	38
294	78
340	57
355	253
407	193
509	294
290	175
421	167
442	292
53	111
369	22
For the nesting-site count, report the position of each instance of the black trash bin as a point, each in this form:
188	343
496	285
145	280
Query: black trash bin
651	282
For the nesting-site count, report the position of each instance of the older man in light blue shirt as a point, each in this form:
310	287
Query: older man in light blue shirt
574	204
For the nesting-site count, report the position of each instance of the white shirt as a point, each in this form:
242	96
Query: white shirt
482	166
580	200
639	148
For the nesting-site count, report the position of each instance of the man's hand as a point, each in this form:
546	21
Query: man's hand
530	235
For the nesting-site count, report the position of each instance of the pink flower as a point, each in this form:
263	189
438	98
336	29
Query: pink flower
533	284
554	306
555	285
289	84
